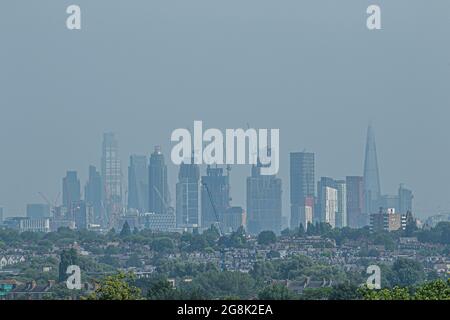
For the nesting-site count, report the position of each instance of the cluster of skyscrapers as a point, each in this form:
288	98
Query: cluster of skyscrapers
202	201
347	202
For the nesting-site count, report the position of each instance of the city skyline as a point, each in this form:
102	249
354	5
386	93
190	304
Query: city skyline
191	210
317	75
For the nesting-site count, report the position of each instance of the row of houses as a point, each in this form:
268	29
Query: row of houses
10	260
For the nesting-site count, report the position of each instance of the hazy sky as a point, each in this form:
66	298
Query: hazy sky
142	68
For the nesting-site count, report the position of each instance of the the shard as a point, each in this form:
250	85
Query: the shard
372	190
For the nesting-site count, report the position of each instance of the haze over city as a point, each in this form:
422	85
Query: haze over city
144	70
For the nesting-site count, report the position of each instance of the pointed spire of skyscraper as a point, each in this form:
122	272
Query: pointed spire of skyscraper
372	190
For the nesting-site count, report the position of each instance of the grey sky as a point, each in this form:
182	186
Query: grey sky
142	68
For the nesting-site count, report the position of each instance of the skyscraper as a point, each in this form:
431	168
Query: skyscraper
341	214
301	186
71	189
93	195
372	189
215	195
405	199
82	214
157	183
138	183
2	214
187	195
112	178
264	207
327	201
356	217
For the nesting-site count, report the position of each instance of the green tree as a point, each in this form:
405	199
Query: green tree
67	258
276	292
126	230
345	291
161	289
266	238
395	293
435	290
407	272
116	287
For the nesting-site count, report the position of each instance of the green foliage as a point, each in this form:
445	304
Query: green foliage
126	230
163	245
434	290
161	289
266	238
316	294
236	239
116	287
345	291
406	272
438	234
226	283
276	292
395	293
67	258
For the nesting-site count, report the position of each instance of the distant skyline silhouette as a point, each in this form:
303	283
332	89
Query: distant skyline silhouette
309	68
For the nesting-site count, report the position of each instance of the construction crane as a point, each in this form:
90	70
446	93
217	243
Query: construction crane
214	208
222	251
166	205
53	205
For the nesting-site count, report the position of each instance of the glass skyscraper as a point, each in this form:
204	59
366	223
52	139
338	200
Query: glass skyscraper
71	189
187	196
138	183
157	183
302	186
93	194
112	178
264	206
215	189
356	217
372	189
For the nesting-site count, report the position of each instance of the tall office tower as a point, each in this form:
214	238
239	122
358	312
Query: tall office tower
372	189
263	202
187	195
233	219
138	183
405	199
157	183
38	211
83	214
341	214
112	178
71	189
388	201
93	194
327	201
301	186
215	195
2	214
356	217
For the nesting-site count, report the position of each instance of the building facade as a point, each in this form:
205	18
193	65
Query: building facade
215	191
112	178
138	183
187	195
264	205
302	186
71	189
356	217
93	194
157	183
